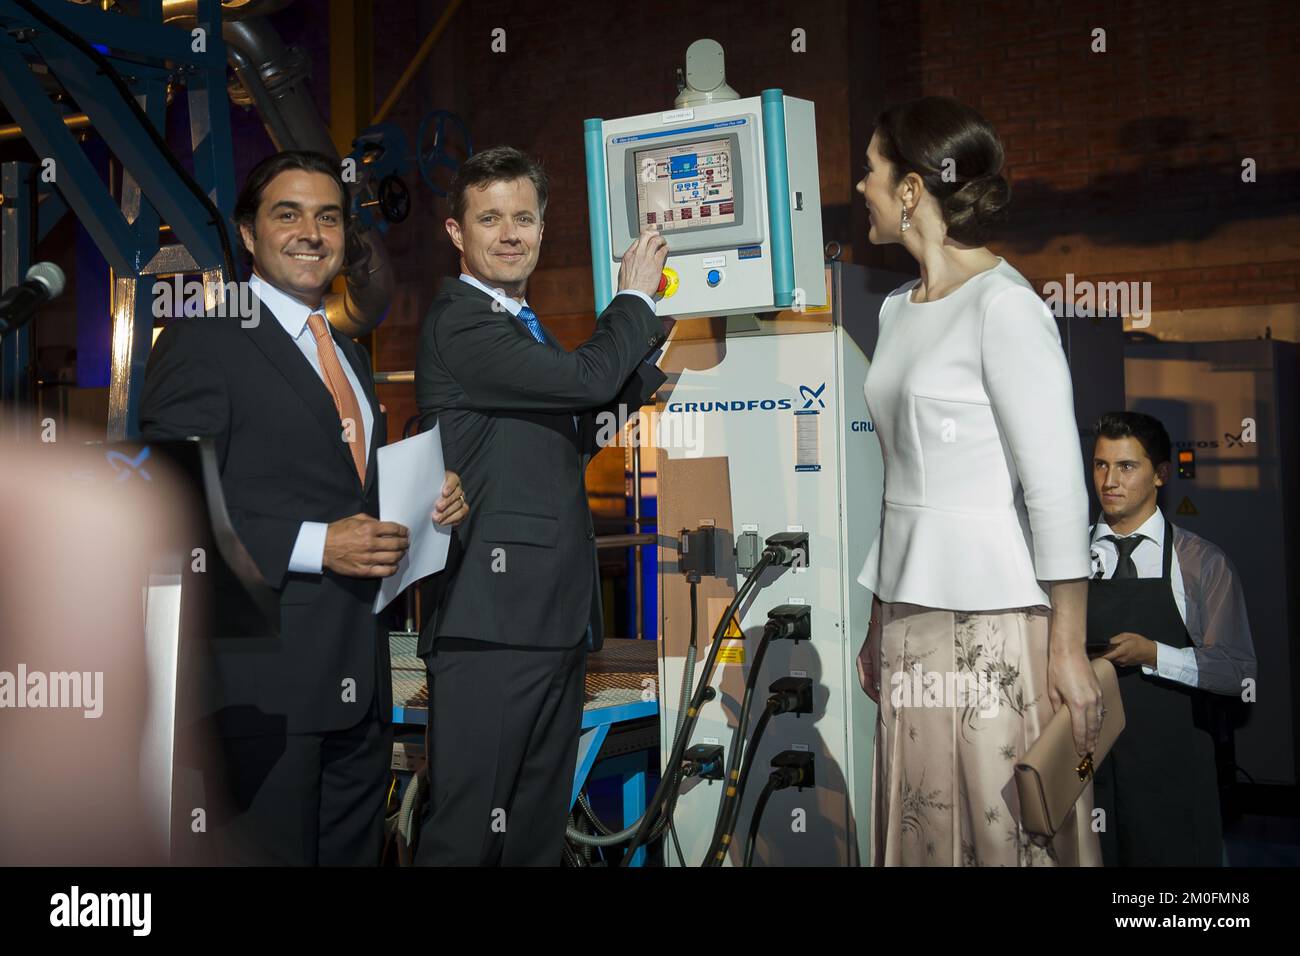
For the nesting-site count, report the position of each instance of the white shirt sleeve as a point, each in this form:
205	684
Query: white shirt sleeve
1217	620
1174	663
308	555
1028	384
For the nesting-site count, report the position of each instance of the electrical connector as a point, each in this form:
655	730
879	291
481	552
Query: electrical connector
748	550
695	553
791	695
790	622
790	549
795	768
704	761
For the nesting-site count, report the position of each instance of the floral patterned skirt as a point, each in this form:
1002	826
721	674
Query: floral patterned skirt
962	697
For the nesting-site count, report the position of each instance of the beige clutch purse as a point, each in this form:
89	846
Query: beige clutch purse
1050	777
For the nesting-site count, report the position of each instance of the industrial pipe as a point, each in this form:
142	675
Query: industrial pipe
230	9
73	121
274	77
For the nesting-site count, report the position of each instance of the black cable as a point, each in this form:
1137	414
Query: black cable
665	820
584	855
672	830
751	752
722	826
115	79
694	606
694	578
577	819
774	782
584	803
725	827
599	826
672	827
566	848
570	857
729	809
697	701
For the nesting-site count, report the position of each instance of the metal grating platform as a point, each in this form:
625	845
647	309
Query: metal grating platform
619	673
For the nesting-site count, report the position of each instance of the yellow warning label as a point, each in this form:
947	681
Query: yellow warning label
733	628
731	652
1187	508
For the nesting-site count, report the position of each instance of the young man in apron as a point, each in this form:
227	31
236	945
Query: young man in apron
1165	606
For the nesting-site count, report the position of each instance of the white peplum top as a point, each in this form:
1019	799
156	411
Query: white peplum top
972	403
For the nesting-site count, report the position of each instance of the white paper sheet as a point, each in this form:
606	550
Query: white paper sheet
411	473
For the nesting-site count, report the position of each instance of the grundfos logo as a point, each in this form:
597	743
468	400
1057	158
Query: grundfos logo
807	395
734	405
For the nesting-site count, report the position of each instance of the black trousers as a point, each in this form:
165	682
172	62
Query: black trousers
503	745
306	799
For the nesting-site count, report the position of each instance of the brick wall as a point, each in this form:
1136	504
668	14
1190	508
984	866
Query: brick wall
1124	165
1127	164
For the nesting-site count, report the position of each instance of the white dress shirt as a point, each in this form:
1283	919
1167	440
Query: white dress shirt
1209	600
984	490
309	548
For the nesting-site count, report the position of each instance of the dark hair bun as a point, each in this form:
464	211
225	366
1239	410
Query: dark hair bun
974	209
935	134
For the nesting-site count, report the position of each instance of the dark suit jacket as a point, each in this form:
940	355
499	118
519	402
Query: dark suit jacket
283	461
524	568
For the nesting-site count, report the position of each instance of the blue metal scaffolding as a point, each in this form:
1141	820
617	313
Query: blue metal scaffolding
40	58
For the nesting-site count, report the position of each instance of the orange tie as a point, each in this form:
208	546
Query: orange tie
345	400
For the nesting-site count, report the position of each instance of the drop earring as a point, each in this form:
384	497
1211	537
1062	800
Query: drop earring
906	222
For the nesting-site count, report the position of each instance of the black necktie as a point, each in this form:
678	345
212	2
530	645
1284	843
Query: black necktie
1125	568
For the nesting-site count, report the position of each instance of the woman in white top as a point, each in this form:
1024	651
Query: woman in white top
984	525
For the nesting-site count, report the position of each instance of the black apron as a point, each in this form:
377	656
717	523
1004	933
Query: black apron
1158	786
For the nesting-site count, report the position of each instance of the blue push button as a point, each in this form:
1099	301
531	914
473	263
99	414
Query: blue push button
714	278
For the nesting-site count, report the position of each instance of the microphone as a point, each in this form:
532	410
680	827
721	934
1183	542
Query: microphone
18	305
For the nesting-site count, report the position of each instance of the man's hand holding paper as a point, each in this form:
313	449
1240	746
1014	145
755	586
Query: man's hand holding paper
416	491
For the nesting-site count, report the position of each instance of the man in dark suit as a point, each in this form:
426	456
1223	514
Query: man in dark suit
507	646
304	719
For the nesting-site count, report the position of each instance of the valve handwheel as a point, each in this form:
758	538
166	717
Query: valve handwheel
394	198
435	155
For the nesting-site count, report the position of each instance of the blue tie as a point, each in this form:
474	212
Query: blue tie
529	318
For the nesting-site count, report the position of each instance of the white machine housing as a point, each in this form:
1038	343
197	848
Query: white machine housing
767	431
